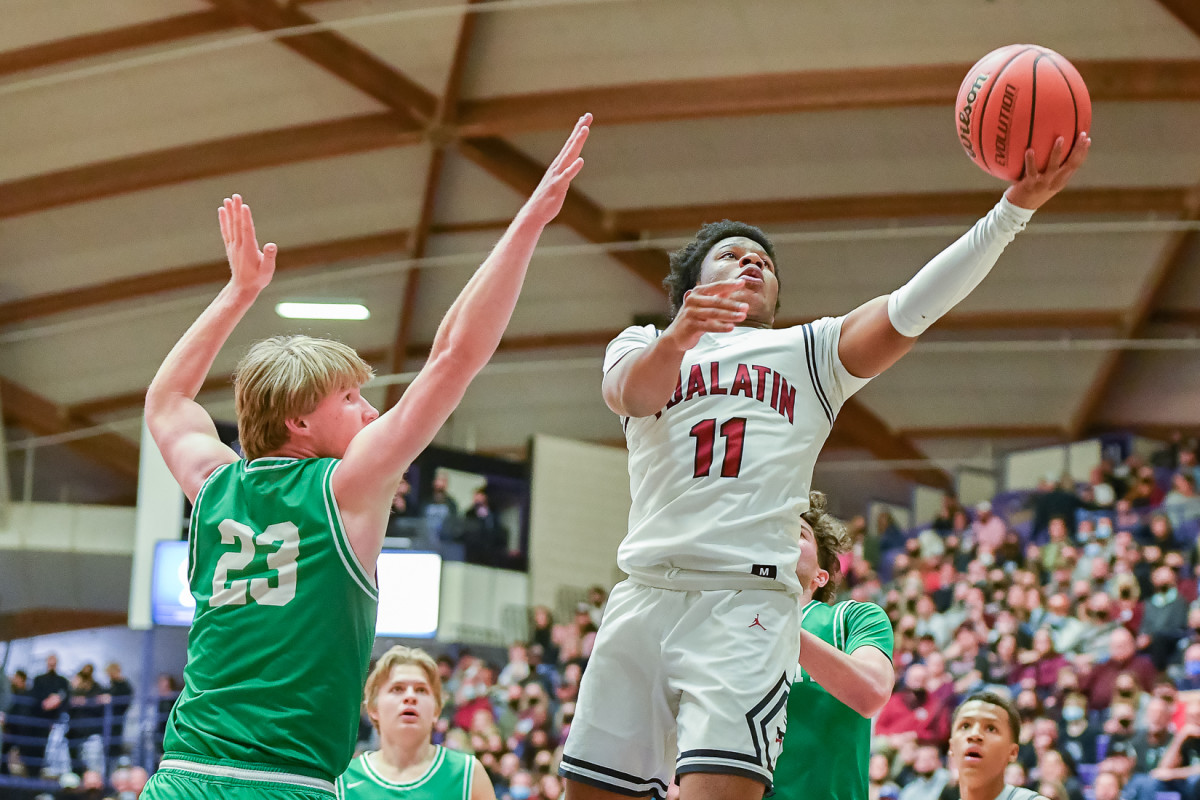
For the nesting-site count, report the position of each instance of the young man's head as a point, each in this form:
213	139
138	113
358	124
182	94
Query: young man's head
823	538
300	389
983	738
727	250
404	692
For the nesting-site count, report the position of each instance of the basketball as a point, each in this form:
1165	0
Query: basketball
1018	97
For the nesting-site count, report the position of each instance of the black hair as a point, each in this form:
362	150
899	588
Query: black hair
995	699
686	261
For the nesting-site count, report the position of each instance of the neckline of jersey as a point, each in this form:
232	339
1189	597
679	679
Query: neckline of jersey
375	775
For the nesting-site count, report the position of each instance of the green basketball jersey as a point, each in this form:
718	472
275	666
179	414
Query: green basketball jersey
285	619
828	744
448	778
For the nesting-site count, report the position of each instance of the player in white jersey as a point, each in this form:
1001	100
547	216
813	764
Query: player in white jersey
724	418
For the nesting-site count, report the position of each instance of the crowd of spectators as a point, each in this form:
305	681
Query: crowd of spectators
75	731
475	534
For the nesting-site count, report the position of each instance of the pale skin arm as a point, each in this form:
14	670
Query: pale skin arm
869	343
377	457
481	784
182	429
862	680
642	382
1168	767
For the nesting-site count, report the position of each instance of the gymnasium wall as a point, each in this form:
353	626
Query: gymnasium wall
579	514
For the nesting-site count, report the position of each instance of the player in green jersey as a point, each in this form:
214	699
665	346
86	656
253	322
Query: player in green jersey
284	542
403	699
984	733
845	675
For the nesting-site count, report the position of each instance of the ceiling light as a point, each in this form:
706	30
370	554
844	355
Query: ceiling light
322	310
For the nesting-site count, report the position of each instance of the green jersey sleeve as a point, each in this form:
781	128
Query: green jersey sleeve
866	624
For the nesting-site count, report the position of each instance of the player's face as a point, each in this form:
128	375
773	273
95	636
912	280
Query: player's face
337	419
739	257
405	703
981	742
808	569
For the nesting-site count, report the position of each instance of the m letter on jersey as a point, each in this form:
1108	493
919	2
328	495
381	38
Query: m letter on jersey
764	570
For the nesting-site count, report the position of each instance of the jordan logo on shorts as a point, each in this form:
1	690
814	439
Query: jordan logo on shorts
756	622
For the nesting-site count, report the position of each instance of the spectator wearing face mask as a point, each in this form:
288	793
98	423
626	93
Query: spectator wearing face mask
1165	619
1101	681
1189	679
1077	735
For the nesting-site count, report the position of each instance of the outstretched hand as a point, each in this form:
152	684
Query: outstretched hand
1035	188
547	199
250	267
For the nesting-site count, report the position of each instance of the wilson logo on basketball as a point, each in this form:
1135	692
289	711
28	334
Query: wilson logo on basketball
964	115
1004	124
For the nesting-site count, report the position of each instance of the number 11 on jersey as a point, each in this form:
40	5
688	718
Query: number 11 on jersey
733	431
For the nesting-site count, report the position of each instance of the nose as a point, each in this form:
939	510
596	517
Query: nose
751	258
372	413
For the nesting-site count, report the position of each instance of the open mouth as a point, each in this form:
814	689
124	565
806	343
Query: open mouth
751	275
409	714
972	755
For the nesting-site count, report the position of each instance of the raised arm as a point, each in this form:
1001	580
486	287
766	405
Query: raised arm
466	339
862	679
181	428
876	334
642	382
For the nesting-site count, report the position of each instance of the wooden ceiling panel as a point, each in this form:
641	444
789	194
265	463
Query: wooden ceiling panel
623	43
1156	388
30	22
132	234
420	46
231	92
935	390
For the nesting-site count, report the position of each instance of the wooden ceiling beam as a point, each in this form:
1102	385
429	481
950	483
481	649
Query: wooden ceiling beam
858	424
512	167
1111	200
339	56
209	159
43	417
296	258
1186	11
447	106
1056	432
30	622
1138	316
114	40
796	92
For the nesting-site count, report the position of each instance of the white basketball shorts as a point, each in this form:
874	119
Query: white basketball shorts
684	681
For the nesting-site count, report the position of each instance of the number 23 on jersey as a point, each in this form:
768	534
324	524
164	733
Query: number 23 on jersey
281	560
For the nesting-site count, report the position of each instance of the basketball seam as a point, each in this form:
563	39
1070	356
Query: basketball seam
988	96
1032	110
1074	106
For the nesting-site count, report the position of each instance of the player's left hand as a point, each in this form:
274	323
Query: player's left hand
1035	188
547	199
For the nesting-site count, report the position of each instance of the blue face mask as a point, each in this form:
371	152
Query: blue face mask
1092	549
1072	713
1192	668
519	792
1103	532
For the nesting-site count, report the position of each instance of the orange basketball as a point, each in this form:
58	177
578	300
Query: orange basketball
1018	97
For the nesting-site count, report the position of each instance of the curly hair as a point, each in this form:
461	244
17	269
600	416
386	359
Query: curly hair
686	261
832	540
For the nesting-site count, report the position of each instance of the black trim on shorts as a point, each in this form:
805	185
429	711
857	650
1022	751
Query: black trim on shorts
728	754
722	769
752	714
655	783
595	783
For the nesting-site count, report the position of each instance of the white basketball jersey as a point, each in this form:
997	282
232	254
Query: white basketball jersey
720	476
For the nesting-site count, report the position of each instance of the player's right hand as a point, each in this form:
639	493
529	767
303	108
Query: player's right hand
250	268
708	308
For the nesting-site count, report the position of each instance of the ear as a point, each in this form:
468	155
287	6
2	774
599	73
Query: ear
296	426
820	578
1012	752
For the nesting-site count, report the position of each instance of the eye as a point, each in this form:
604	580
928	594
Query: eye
728	254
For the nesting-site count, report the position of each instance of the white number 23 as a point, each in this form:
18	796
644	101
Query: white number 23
234	592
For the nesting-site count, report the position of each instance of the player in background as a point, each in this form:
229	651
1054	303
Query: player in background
403	698
284	543
984	732
724	417
846	674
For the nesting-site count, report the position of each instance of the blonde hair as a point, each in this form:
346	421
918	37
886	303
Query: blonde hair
832	540
400	656
285	377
